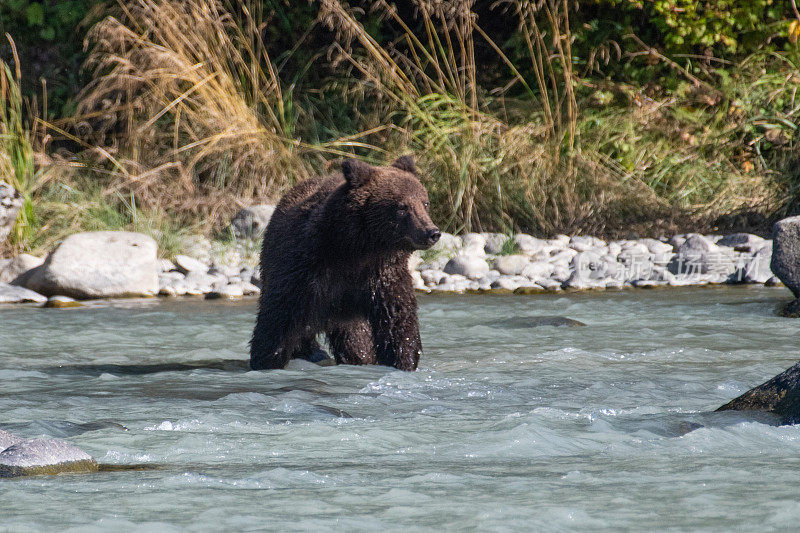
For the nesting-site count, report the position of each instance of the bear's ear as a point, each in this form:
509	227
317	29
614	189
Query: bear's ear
356	172
405	163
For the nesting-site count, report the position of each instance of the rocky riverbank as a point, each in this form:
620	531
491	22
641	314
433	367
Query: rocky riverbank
118	264
122	264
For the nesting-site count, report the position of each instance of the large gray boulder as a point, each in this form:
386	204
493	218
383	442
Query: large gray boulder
7	439
779	396
32	457
17	269
12	294
786	253
100	264
250	222
10	204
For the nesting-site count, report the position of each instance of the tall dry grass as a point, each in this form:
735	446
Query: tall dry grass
187	99
188	114
487	170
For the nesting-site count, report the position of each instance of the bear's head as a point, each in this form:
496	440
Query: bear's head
393	202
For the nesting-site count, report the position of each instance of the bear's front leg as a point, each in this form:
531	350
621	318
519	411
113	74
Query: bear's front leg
352	342
272	344
394	321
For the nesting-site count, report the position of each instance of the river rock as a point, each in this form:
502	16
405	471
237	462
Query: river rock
742	242
698	254
249	289
196	246
786	253
528	244
780	396
469	266
61	302
511	265
447	243
99	264
185	264
250	222
432	277
505	283
754	268
10	204
473	244
165	265
494	242
536	271
32	457
12	294
8	439
17	269
226	292
523	322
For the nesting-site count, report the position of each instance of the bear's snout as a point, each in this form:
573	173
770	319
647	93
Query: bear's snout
433	236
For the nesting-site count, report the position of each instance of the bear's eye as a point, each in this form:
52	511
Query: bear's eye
426	205
402	209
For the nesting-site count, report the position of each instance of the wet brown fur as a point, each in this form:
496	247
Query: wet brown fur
335	260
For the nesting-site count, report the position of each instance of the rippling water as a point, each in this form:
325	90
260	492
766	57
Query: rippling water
503	427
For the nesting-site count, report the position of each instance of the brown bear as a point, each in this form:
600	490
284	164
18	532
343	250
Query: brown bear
335	260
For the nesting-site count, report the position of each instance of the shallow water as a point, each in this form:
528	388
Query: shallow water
503	427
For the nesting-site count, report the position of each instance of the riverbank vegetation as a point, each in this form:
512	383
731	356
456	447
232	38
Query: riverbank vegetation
597	116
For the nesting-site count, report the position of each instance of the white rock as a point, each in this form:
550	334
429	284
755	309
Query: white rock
100	264
549	284
470	266
506	284
17	269
656	247
432	277
226	292
447	243
528	244
414	260
535	271
561	241
165	265
248	289
10	205
251	222
419	283
44	456
186	264
12	294
494	242
473	244
511	264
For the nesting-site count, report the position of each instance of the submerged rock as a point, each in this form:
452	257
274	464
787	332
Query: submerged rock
780	396
8	439
522	322
32	457
100	264
61	302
